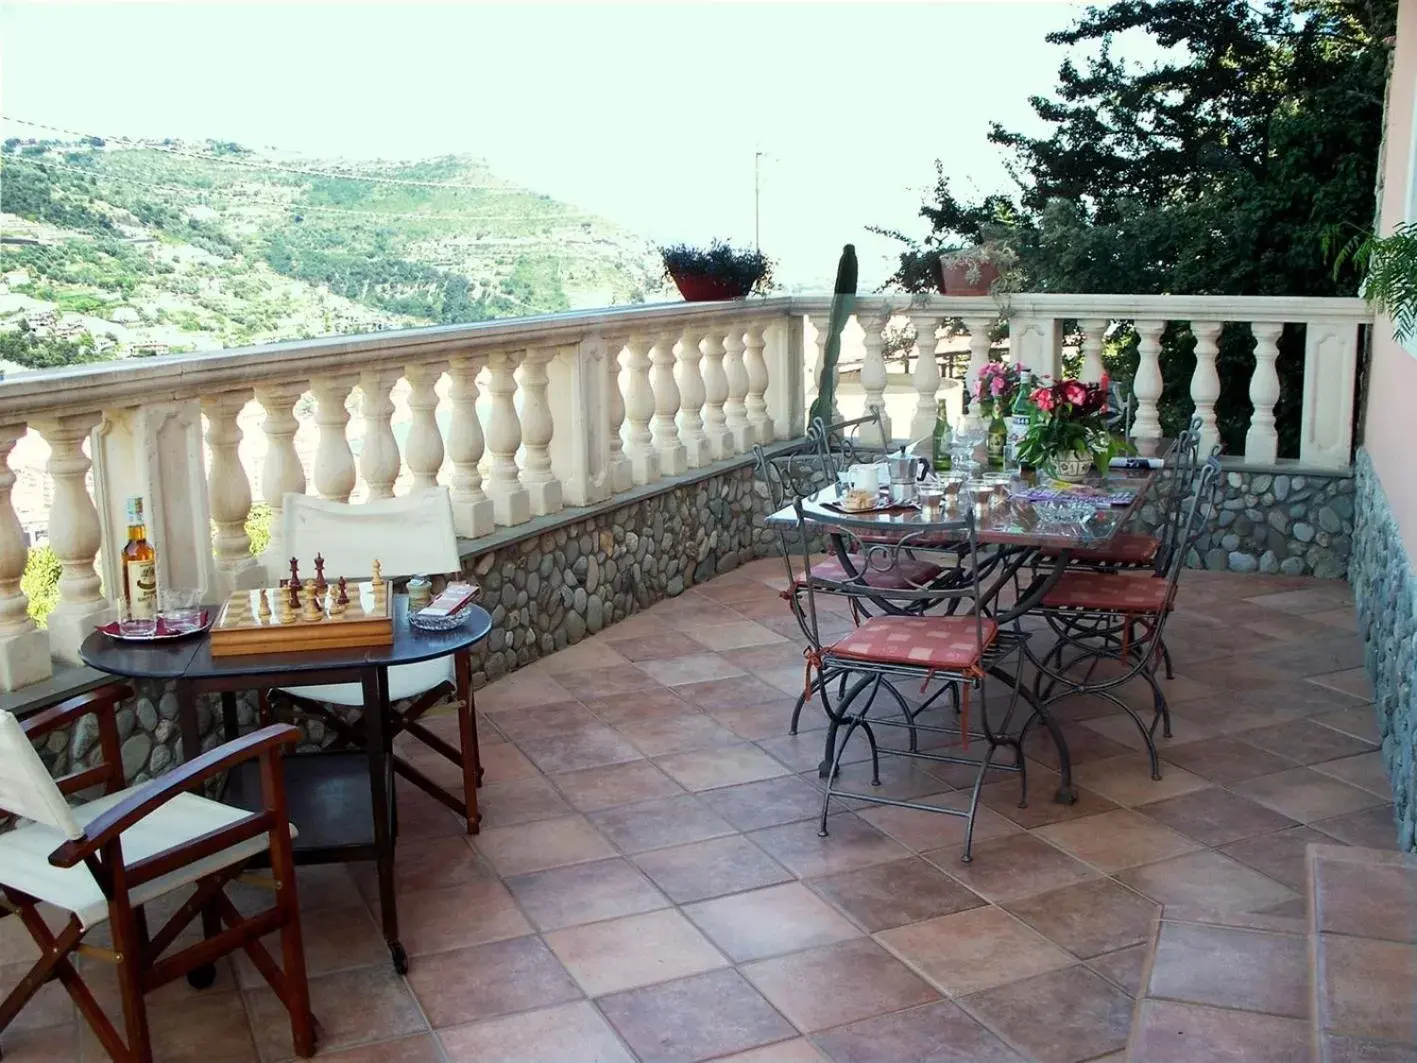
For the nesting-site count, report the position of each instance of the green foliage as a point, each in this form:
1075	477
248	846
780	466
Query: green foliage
258	527
23	347
28	188
1212	171
1388	265
40	582
750	270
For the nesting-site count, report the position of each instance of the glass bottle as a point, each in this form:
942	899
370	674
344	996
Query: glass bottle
139	570
944	439
997	440
1020	416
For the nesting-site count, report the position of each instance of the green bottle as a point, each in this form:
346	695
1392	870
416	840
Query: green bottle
997	440
943	441
1021	416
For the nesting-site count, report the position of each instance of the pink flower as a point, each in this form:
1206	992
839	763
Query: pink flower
1074	394
997	385
1043	399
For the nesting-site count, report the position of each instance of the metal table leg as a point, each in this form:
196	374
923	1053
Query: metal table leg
377	711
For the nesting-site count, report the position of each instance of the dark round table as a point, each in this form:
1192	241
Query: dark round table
341	802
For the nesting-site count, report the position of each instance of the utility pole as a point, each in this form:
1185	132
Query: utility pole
757	199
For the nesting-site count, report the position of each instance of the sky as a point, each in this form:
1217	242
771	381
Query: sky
650	115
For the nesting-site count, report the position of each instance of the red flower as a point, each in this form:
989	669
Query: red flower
1074	393
1044	399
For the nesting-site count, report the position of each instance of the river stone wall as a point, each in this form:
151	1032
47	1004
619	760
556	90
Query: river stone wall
545	592
1385	590
1276	523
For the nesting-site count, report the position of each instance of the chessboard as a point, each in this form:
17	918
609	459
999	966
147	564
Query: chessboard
268	620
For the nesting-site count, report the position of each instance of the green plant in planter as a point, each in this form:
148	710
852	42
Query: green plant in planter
1388	266
991	264
1069	418
717	272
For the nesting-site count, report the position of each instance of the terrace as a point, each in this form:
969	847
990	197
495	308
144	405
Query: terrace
649	882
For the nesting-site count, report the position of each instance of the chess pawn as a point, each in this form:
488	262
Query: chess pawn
263	611
377	580
310	601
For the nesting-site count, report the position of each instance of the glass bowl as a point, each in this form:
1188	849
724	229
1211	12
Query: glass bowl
451	622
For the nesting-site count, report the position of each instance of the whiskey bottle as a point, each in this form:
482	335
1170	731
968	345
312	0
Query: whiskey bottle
139	567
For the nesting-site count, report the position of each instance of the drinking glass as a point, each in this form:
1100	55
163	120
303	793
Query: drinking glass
180	610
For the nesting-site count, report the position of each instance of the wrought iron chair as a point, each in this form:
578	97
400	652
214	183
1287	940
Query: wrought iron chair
1120	617
839	444
792	476
407	535
935	632
104	861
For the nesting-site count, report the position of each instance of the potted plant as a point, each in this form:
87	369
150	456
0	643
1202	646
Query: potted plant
716	272
995	390
1067	432
988	268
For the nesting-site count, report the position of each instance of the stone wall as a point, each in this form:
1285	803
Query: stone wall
1385	590
545	592
1278	523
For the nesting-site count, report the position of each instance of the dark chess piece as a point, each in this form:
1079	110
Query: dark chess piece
294	583
320	585
343	598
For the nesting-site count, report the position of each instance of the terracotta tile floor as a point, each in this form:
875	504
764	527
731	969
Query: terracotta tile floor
649	883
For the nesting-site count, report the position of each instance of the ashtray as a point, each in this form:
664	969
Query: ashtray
451	622
1064	512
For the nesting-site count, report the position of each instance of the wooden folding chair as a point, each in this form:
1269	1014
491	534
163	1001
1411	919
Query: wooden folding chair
103	861
408	535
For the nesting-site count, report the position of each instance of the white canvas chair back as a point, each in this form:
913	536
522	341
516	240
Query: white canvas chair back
408	535
26	788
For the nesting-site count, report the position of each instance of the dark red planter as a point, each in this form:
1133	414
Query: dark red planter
954	278
696	288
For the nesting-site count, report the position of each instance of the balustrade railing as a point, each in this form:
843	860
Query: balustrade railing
540	414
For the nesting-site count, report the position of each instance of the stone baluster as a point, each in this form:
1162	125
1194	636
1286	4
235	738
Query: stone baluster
229	493
1205	382
24	649
720	440
735	409
1146	386
542	487
926	379
639	409
690	383
281	474
1261	441
334	460
1094	330
621	470
423	450
820	324
673	457
379	452
978	356
873	378
510	502
472	509
75	535
756	367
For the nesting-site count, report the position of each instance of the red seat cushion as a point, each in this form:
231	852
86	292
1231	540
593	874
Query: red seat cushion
933	642
1107	592
907	573
1129	548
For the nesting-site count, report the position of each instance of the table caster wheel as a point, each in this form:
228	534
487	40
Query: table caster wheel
399	957
203	977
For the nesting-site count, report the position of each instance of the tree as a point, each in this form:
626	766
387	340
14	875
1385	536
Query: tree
1215	170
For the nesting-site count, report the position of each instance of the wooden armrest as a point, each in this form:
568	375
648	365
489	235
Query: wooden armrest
123	815
101	699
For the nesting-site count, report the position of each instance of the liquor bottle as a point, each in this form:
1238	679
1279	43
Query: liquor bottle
943	442
997	441
139	567
1020	416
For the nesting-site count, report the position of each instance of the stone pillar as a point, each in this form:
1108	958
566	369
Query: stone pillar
510	501
1146	386
757	369
1205	383
379	451
978	357
673	457
689	379
334	460
639	409
1094	330
579	392
229	494
281	473
873	379
1330	364
472	509
1262	441
423	451
785	354
720	440
926	378
621	472
24	649
75	535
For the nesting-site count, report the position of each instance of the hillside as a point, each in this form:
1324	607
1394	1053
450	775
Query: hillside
144	248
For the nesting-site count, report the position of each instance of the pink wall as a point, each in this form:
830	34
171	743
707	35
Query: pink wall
1390	430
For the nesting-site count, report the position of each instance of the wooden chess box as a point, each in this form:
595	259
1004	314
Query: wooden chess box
367	620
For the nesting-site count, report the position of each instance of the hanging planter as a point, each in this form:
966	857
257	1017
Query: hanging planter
716	272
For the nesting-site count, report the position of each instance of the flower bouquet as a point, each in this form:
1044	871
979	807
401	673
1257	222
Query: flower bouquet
1067	431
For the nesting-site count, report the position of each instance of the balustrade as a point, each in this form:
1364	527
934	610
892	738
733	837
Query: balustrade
572	410
874	378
